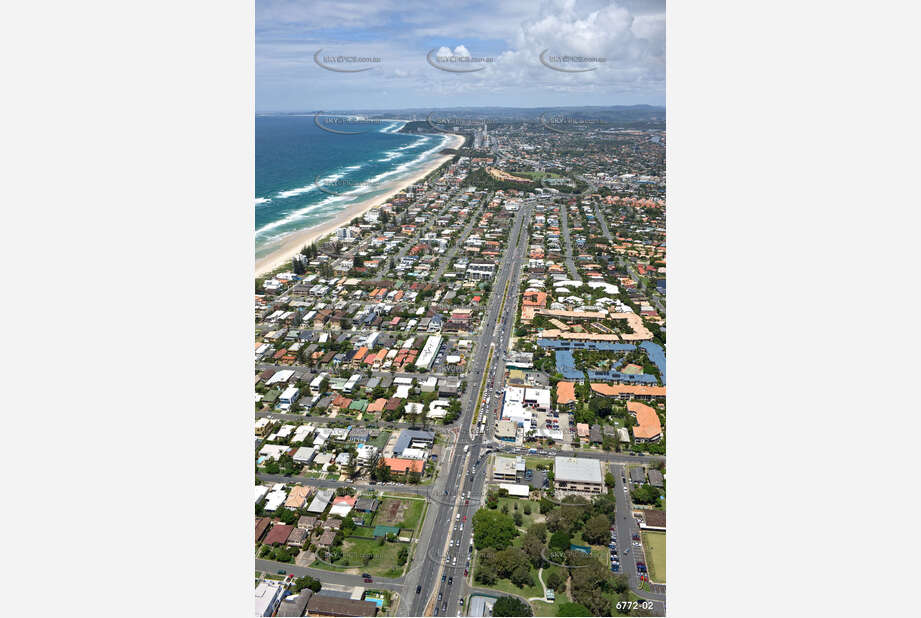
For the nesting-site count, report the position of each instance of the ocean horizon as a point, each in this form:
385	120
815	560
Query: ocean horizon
306	175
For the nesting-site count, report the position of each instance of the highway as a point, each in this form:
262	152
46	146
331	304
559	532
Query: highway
435	557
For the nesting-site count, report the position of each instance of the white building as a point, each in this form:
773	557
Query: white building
515	412
268	596
304	455
288	397
515	490
427	356
275	498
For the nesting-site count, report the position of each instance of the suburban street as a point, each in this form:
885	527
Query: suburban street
567	244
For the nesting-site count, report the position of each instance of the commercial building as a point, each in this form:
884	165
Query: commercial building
506	430
268	596
322	605
573	474
427	356
504	469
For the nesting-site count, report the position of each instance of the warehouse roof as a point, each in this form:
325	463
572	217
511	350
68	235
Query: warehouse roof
577	470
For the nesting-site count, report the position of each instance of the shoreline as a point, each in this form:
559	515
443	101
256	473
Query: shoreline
295	241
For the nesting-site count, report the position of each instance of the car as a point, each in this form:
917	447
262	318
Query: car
460	602
615	567
466	502
368	580
418	589
439	596
444	606
444	577
466	572
366	575
436	611
465	518
281	571
450	581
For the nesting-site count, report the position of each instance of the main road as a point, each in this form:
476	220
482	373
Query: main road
443	548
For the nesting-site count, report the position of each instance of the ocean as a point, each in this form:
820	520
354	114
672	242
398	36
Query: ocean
306	175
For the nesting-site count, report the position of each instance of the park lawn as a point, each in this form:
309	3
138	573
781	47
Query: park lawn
526	520
504	585
383	563
654	546
531	462
551	609
542	608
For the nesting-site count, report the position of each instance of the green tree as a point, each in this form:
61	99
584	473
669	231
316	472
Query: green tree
559	541
555	580
307	582
486	574
596	529
493	529
511	606
521	577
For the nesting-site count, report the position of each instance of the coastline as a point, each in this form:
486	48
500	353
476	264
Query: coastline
295	241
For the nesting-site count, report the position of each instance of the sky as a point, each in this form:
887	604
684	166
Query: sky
522	51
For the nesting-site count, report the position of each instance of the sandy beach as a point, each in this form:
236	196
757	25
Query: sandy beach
291	244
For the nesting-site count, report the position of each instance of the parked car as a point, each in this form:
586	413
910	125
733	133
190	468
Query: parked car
368	580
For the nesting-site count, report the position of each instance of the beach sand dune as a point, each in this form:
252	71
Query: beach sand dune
291	244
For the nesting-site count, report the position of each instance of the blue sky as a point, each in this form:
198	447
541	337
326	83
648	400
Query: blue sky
628	35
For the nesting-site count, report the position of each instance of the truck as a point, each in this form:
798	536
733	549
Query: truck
532	451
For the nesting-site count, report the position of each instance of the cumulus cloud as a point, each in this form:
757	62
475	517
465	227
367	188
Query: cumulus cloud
629	34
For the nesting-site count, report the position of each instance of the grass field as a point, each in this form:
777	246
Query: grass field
408	518
382	563
527	520
654	546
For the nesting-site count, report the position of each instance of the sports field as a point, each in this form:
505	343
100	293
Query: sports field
654	546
